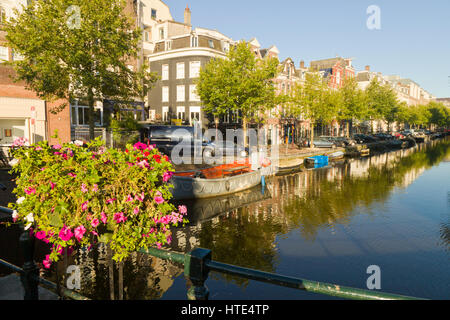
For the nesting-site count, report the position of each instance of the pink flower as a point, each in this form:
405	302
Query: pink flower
104	218
169	239
94	233
110	200
57	146
159	199
84	188
47	262
30	190
130	198
73	175
140	198
182	209
143	164
140	146
79	232
65	234
119	217
136	210
38	148
52	185
84	205
95	222
158	245
40	235
167	176
95	188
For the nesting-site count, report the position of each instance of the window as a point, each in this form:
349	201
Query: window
161	34
17	56
194	71
168	45
4	54
154	14
165	94
146	36
193	93
226	46
181	93
80	116
181	112
165	114
2	15
180	70
194	41
165	72
211	44
194	115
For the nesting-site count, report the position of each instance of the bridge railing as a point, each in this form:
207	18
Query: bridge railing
197	265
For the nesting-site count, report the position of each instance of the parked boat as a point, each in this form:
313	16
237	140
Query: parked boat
339	155
281	171
216	181
317	160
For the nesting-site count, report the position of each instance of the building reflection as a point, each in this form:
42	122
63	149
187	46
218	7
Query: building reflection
242	229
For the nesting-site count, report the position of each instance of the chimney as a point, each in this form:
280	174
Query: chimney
187	16
302	64
367	68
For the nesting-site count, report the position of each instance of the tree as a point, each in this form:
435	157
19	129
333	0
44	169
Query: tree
239	83
439	114
353	103
315	100
382	102
78	48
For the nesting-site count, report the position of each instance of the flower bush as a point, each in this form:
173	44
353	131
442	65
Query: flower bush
75	195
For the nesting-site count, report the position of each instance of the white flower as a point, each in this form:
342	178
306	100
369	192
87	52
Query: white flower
30	217
13	162
15	215
20	200
78	143
28	226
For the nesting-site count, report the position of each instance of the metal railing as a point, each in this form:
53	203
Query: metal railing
197	265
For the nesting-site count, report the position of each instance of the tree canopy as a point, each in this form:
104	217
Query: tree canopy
78	48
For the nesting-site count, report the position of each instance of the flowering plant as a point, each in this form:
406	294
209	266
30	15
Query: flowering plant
75	194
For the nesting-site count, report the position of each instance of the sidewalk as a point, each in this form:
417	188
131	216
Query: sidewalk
11	289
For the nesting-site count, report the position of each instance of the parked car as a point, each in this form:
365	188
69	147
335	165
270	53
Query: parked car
384	136
364	138
228	148
165	138
323	143
339	141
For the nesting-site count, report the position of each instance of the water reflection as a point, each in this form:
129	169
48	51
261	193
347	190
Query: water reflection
244	228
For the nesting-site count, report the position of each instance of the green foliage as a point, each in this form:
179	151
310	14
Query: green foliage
125	129
239	83
90	61
381	101
76	195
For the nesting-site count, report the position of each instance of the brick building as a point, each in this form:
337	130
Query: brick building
22	113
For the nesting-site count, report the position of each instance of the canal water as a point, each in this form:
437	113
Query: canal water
329	224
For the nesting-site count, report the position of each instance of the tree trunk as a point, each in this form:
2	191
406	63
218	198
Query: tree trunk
244	128
311	145
91	114
347	134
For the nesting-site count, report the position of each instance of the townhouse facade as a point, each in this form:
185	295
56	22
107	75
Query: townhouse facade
334	70
178	54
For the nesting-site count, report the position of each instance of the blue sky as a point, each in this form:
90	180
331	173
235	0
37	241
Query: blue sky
413	42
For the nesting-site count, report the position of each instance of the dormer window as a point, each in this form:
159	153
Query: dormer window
154	14
194	41
211	44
